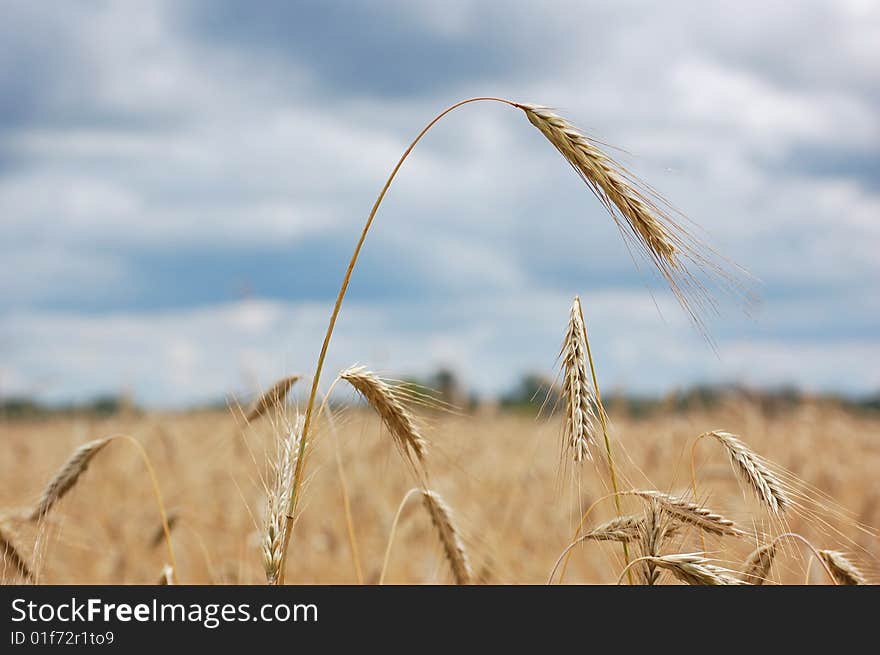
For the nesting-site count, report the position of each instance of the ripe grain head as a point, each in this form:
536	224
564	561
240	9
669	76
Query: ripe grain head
691	513
644	218
579	423
386	401
441	517
843	570
694	569
754	472
758	563
278	501
67	476
272	398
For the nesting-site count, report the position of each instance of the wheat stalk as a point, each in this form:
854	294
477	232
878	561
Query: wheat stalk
273	397
278	499
67	476
385	400
758	563
690	512
441	517
653	231
579	424
754	472
841	568
11	554
694	569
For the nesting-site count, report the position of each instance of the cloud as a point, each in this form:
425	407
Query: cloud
168	166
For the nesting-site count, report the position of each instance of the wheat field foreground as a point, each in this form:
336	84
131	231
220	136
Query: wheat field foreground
498	475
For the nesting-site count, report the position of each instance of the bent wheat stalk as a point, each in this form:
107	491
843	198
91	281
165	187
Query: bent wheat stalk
665	243
77	463
66	477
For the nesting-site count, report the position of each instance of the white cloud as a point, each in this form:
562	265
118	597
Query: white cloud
176	143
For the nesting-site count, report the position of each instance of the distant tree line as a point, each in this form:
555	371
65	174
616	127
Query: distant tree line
532	394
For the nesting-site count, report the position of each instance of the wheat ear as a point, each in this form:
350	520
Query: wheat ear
67	476
754	472
622	529
385	400
652	531
579	424
694	569
642	216
689	512
273	397
758	563
635	209
441	517
278	499
842	569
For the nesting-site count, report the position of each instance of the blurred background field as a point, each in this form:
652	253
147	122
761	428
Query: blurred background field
497	468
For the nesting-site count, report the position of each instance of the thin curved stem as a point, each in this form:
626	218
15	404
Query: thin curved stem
159	502
349	519
297	476
603	420
628	568
393	532
803	540
575	540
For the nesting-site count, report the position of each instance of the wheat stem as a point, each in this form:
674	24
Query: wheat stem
393	532
297	482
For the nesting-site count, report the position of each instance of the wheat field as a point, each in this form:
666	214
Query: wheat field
731	496
498	472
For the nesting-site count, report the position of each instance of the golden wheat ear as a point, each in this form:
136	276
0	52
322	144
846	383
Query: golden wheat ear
278	501
622	529
688	512
579	423
754	472
441	517
758	563
67	476
271	398
643	217
694	569
385	400
843	570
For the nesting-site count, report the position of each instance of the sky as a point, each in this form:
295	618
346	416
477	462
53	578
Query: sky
182	183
